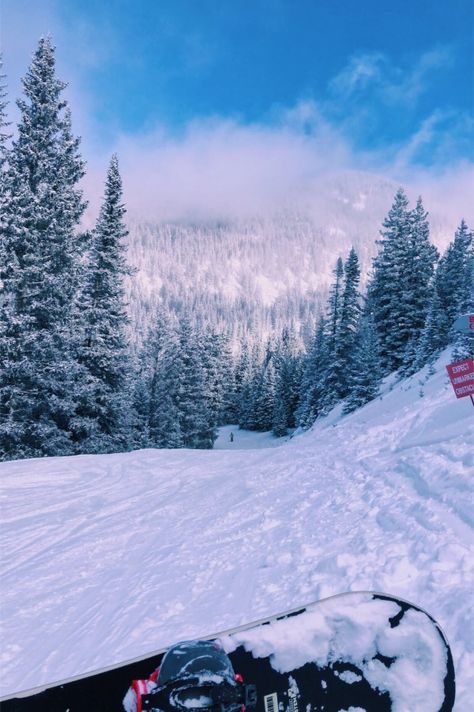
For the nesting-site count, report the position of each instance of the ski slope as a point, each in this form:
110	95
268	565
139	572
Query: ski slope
107	557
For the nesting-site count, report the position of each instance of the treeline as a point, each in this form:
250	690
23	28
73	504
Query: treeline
64	365
70	382
401	322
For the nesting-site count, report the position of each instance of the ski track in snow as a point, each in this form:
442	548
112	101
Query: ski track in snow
108	557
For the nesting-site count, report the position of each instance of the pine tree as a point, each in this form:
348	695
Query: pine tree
312	380
279	417
217	364
250	389
385	288
417	286
103	351
197	423
265	397
241	378
331	384
286	383
335	306
452	295
401	286
152	395
38	272
348	325
365	367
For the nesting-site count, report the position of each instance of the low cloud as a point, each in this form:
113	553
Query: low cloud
220	169
225	168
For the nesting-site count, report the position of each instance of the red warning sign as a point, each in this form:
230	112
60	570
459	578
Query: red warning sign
461	374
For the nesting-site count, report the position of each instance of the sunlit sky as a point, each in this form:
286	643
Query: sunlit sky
374	85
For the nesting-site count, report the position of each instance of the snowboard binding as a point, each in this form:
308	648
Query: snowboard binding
192	695
197	676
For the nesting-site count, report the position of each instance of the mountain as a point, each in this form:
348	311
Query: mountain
106	557
255	275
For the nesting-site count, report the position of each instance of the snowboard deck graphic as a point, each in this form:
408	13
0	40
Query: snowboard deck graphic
367	651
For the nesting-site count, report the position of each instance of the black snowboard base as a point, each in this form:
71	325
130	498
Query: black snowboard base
364	651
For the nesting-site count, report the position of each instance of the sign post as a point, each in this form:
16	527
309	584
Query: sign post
461	375
465	324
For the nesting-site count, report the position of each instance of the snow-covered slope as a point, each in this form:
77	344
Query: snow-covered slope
107	557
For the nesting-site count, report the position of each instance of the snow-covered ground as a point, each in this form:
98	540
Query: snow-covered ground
105	558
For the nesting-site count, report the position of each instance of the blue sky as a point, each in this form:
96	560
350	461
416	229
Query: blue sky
389	85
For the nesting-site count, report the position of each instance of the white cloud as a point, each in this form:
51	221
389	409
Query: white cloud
373	73
221	169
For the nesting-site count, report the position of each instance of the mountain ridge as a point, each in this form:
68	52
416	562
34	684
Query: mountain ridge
258	274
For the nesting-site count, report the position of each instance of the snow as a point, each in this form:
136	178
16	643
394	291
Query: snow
355	630
108	557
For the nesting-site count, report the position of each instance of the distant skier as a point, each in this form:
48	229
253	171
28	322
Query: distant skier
194	675
231	437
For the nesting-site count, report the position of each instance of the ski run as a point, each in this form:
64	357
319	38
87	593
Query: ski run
108	557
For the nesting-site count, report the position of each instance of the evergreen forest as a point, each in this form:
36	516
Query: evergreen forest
74	380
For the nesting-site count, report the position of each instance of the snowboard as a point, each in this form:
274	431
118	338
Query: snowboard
363	652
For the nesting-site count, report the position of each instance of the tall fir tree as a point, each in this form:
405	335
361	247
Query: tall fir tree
331	384
105	406
197	422
39	252
152	394
217	363
265	397
400	290
348	324
365	372
241	377
452	295
417	285
385	289
286	382
254	365
312	380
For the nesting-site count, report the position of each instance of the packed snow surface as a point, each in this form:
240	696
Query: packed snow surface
108	557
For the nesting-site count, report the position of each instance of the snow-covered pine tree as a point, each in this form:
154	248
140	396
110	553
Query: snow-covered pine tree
387	285
38	271
335	306
251	387
279	417
197	423
217	363
348	324
452	295
147	394
314	367
286	382
365	372
331	385
435	332
241	377
160	379
104	401
418	285
265	398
